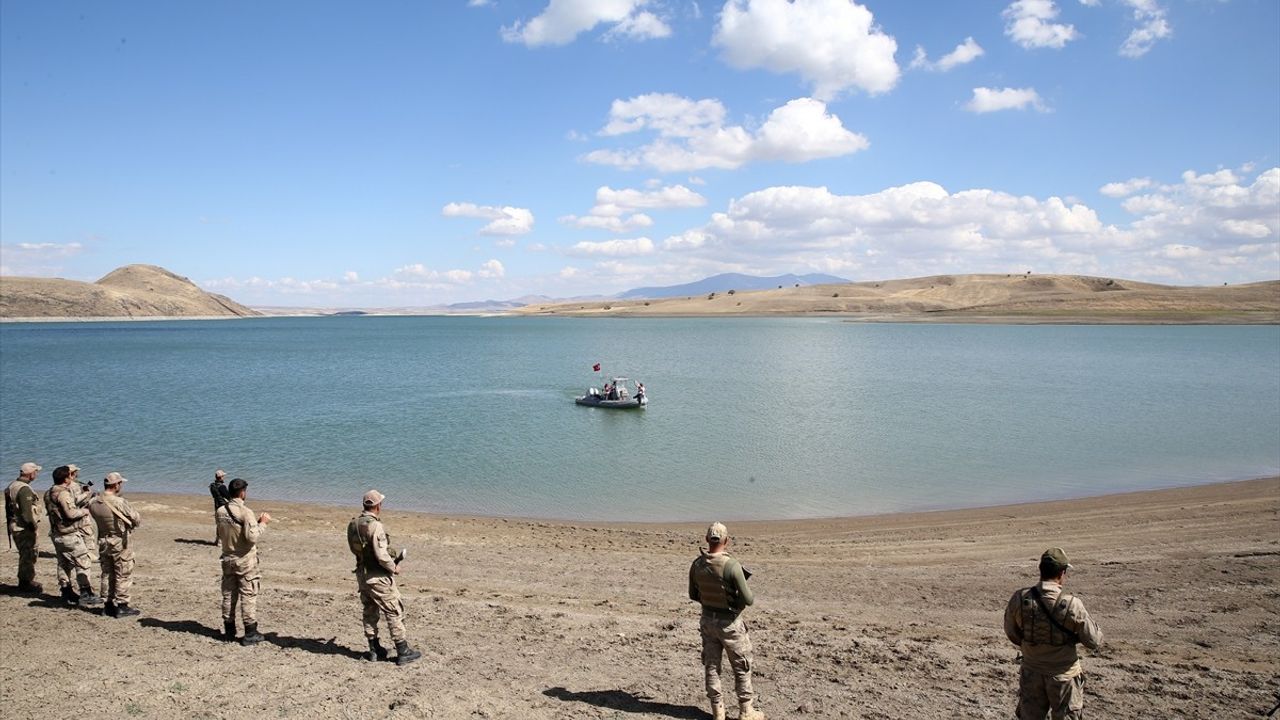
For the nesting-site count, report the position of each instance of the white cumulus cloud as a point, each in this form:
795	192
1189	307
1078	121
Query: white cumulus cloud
503	220
617	224
1153	26
692	135
987	100
614	248
40	259
563	20
1193	231
1213	179
639	26
492	269
1125	188
615	210
966	52
1213	209
616	202
1030	24
423	276
833	45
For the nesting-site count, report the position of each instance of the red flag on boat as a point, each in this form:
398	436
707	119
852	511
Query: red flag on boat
596	367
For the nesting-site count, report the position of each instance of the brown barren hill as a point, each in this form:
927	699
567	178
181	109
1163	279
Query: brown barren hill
970	298
133	291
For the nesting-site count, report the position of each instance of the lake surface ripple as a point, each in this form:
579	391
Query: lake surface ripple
749	417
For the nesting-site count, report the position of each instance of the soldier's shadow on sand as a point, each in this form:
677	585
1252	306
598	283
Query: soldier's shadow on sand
56	602
16	592
624	701
191	541
191	627
311	645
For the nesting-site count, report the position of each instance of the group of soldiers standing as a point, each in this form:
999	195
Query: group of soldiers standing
377	565
85	527
1045	623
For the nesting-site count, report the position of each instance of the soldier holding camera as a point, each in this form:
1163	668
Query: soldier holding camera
238	531
376	569
66	503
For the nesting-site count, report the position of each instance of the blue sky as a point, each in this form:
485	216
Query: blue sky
411	153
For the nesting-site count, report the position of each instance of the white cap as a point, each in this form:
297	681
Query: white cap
717	532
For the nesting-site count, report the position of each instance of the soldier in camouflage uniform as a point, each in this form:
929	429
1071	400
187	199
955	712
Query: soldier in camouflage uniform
22	512
1047	624
238	531
377	565
115	519
719	583
67	512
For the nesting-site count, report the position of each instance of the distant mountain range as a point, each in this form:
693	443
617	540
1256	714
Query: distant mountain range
716	283
731	281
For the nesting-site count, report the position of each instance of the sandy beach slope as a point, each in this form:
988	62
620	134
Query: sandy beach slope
882	617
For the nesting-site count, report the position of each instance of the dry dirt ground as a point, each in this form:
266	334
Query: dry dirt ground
882	617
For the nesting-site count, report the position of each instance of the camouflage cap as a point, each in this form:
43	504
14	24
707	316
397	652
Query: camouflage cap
114	478
28	468
373	498
219	474
1054	559
717	532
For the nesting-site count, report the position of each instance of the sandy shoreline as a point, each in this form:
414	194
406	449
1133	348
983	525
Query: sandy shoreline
892	616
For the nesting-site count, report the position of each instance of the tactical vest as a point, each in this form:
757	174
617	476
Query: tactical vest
58	521
14	518
1037	628
107	516
708	575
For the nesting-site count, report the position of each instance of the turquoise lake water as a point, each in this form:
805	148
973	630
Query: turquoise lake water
749	417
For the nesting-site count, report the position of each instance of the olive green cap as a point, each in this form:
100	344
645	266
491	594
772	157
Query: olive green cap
1054	559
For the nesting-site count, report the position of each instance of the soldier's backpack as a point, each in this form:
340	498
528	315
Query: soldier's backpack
356	540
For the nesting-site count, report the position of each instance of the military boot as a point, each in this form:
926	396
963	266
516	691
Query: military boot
251	635
717	711
405	654
229	631
30	586
376	651
88	599
70	595
110	610
748	711
123	610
